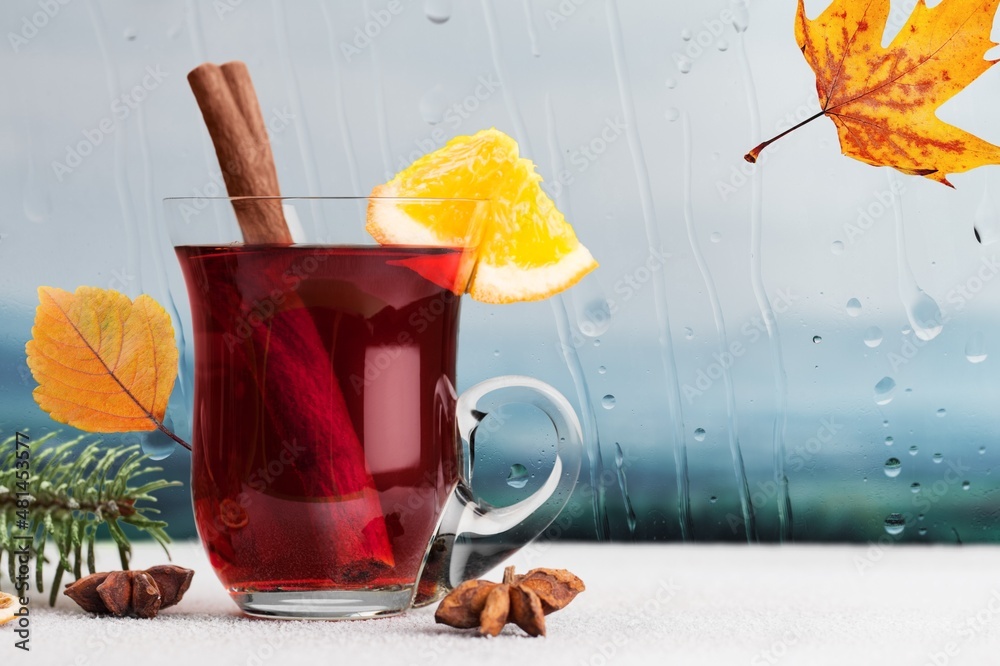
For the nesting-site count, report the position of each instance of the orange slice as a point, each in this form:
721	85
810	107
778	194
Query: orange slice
528	251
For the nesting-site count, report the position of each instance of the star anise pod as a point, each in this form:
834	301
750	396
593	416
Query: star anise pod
524	600
8	606
134	593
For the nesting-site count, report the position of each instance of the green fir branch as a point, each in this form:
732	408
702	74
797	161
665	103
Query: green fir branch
73	491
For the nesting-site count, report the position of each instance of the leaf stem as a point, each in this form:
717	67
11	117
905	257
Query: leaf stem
752	156
165	431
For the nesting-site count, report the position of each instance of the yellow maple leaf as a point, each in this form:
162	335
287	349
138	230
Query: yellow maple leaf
884	100
103	363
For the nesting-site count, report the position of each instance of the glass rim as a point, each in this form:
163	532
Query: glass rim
331	198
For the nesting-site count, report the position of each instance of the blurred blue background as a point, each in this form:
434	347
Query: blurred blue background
801	350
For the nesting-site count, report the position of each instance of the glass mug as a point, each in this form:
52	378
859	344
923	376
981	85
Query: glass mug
332	460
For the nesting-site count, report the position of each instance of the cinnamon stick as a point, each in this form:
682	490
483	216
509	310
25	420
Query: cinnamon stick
229	105
304	405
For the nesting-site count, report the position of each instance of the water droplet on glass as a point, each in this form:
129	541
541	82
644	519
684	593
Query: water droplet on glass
686	35
937	458
966	485
722	45
889	441
817	339
496	352
873	336
837	247
854	307
925	316
433	105
741	15
518	477
595	319
914	487
683	63
975	348
893	467
608	401
895	524
699	434
941	413
913	450
713	499
671	83
688	332
982	450
130	34
673	114
715	237
597	343
884	391
602	370
438	11
157	444
922	531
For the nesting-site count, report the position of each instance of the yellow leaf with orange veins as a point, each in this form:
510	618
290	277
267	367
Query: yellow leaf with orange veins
884	101
103	362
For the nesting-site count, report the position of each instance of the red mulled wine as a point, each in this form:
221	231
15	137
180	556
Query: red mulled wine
324	427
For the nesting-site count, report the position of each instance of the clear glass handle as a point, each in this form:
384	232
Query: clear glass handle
474	537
